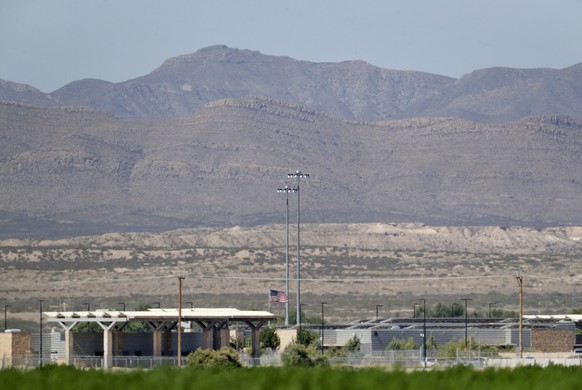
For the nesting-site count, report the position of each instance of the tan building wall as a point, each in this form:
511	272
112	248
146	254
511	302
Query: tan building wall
553	340
12	345
5	344
287	336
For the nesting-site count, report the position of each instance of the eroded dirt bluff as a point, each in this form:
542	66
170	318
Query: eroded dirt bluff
374	236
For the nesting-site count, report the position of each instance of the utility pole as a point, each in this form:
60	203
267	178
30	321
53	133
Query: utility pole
322	325
40	331
180	281
5	323
466	327
519	279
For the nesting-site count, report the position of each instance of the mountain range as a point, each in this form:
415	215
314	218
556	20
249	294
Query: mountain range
352	90
207	138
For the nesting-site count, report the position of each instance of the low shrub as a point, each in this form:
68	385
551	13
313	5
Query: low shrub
206	358
300	355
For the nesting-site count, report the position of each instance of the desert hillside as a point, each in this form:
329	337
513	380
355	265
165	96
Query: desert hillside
72	171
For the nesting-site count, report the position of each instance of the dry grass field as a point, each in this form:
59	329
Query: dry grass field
351	267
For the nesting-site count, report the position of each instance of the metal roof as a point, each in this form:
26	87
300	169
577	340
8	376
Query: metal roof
188	314
555	317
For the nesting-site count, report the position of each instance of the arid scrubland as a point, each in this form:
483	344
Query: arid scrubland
352	267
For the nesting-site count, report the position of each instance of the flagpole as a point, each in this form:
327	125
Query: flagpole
269	300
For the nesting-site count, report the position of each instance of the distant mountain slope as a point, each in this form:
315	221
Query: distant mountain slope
504	94
182	85
15	92
87	169
352	90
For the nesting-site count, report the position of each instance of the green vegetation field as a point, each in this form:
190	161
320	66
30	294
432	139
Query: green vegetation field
272	378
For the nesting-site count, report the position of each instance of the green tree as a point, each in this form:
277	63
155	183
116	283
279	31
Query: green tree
306	337
401	344
441	311
138	326
305	318
353	344
457	310
88	327
270	339
431	342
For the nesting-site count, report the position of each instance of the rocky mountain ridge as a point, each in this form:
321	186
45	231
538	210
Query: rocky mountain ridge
352	90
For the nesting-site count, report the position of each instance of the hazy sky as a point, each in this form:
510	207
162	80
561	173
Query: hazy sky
49	43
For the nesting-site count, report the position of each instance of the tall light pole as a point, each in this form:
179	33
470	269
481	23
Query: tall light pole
322	325
423	330
5	322
299	175
519	279
466	333
40	329
286	190
300	335
378	306
490	304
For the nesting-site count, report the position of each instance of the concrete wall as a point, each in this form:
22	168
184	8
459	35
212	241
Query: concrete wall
553	340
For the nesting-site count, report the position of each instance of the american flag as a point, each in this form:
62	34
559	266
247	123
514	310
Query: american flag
278	296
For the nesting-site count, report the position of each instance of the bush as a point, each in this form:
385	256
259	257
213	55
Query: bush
206	358
270	339
453	346
336	352
300	355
